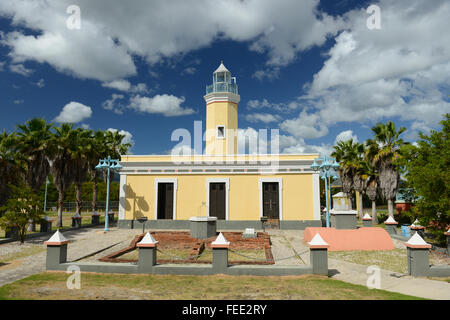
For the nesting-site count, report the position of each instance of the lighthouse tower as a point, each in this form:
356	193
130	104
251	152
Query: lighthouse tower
222	100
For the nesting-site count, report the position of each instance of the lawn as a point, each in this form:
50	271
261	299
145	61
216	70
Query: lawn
52	286
67	221
206	256
393	260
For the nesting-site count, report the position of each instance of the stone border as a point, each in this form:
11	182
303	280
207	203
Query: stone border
196	250
57	260
221	224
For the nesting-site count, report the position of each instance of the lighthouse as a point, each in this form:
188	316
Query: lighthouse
222	99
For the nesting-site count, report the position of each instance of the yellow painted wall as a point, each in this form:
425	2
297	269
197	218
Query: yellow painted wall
244	196
221	113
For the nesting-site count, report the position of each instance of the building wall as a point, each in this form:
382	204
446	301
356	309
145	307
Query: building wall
244	195
221	113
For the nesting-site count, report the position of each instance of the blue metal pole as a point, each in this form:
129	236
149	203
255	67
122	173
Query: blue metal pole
329	193
107	196
45	199
326	195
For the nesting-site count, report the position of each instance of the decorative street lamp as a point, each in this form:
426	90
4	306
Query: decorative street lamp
45	197
106	166
327	169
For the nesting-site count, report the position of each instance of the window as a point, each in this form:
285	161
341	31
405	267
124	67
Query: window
221	132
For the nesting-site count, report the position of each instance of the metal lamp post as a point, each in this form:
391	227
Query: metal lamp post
106	166
326	169
45	197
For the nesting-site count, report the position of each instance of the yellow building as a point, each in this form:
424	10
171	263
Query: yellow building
237	189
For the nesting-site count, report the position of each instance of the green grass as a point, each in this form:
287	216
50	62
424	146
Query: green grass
22	254
52	286
394	260
206	255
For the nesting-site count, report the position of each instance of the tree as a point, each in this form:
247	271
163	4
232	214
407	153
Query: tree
345	153
22	206
372	186
11	166
114	147
360	174
80	162
62	144
96	151
427	167
32	143
384	150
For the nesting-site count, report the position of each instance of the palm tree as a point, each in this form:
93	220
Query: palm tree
115	146
32	143
96	150
384	150
372	186
80	163
62	145
360	174
12	169
345	153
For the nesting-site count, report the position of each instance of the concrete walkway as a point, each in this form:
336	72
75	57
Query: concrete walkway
288	248
84	242
357	274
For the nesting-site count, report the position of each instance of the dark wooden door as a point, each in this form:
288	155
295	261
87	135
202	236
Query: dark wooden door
271	199
165	200
217	198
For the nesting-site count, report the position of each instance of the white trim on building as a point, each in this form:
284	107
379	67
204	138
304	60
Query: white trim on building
122	196
280	194
175	188
227	191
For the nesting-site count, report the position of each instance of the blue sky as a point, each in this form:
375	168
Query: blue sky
312	69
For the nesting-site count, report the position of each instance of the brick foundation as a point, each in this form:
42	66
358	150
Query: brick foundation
182	240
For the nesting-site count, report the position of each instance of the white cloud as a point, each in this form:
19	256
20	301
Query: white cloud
270	74
19	101
262	117
189	70
2	65
167	105
20	69
74	112
128	136
121	85
401	71
111	104
139	88
346	135
264	103
126	86
305	126
113	31
40	83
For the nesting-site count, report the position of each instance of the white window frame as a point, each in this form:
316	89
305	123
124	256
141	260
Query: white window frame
122	196
280	194
224	131
227	191
175	188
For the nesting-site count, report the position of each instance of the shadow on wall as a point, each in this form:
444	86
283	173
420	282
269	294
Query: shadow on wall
134	203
